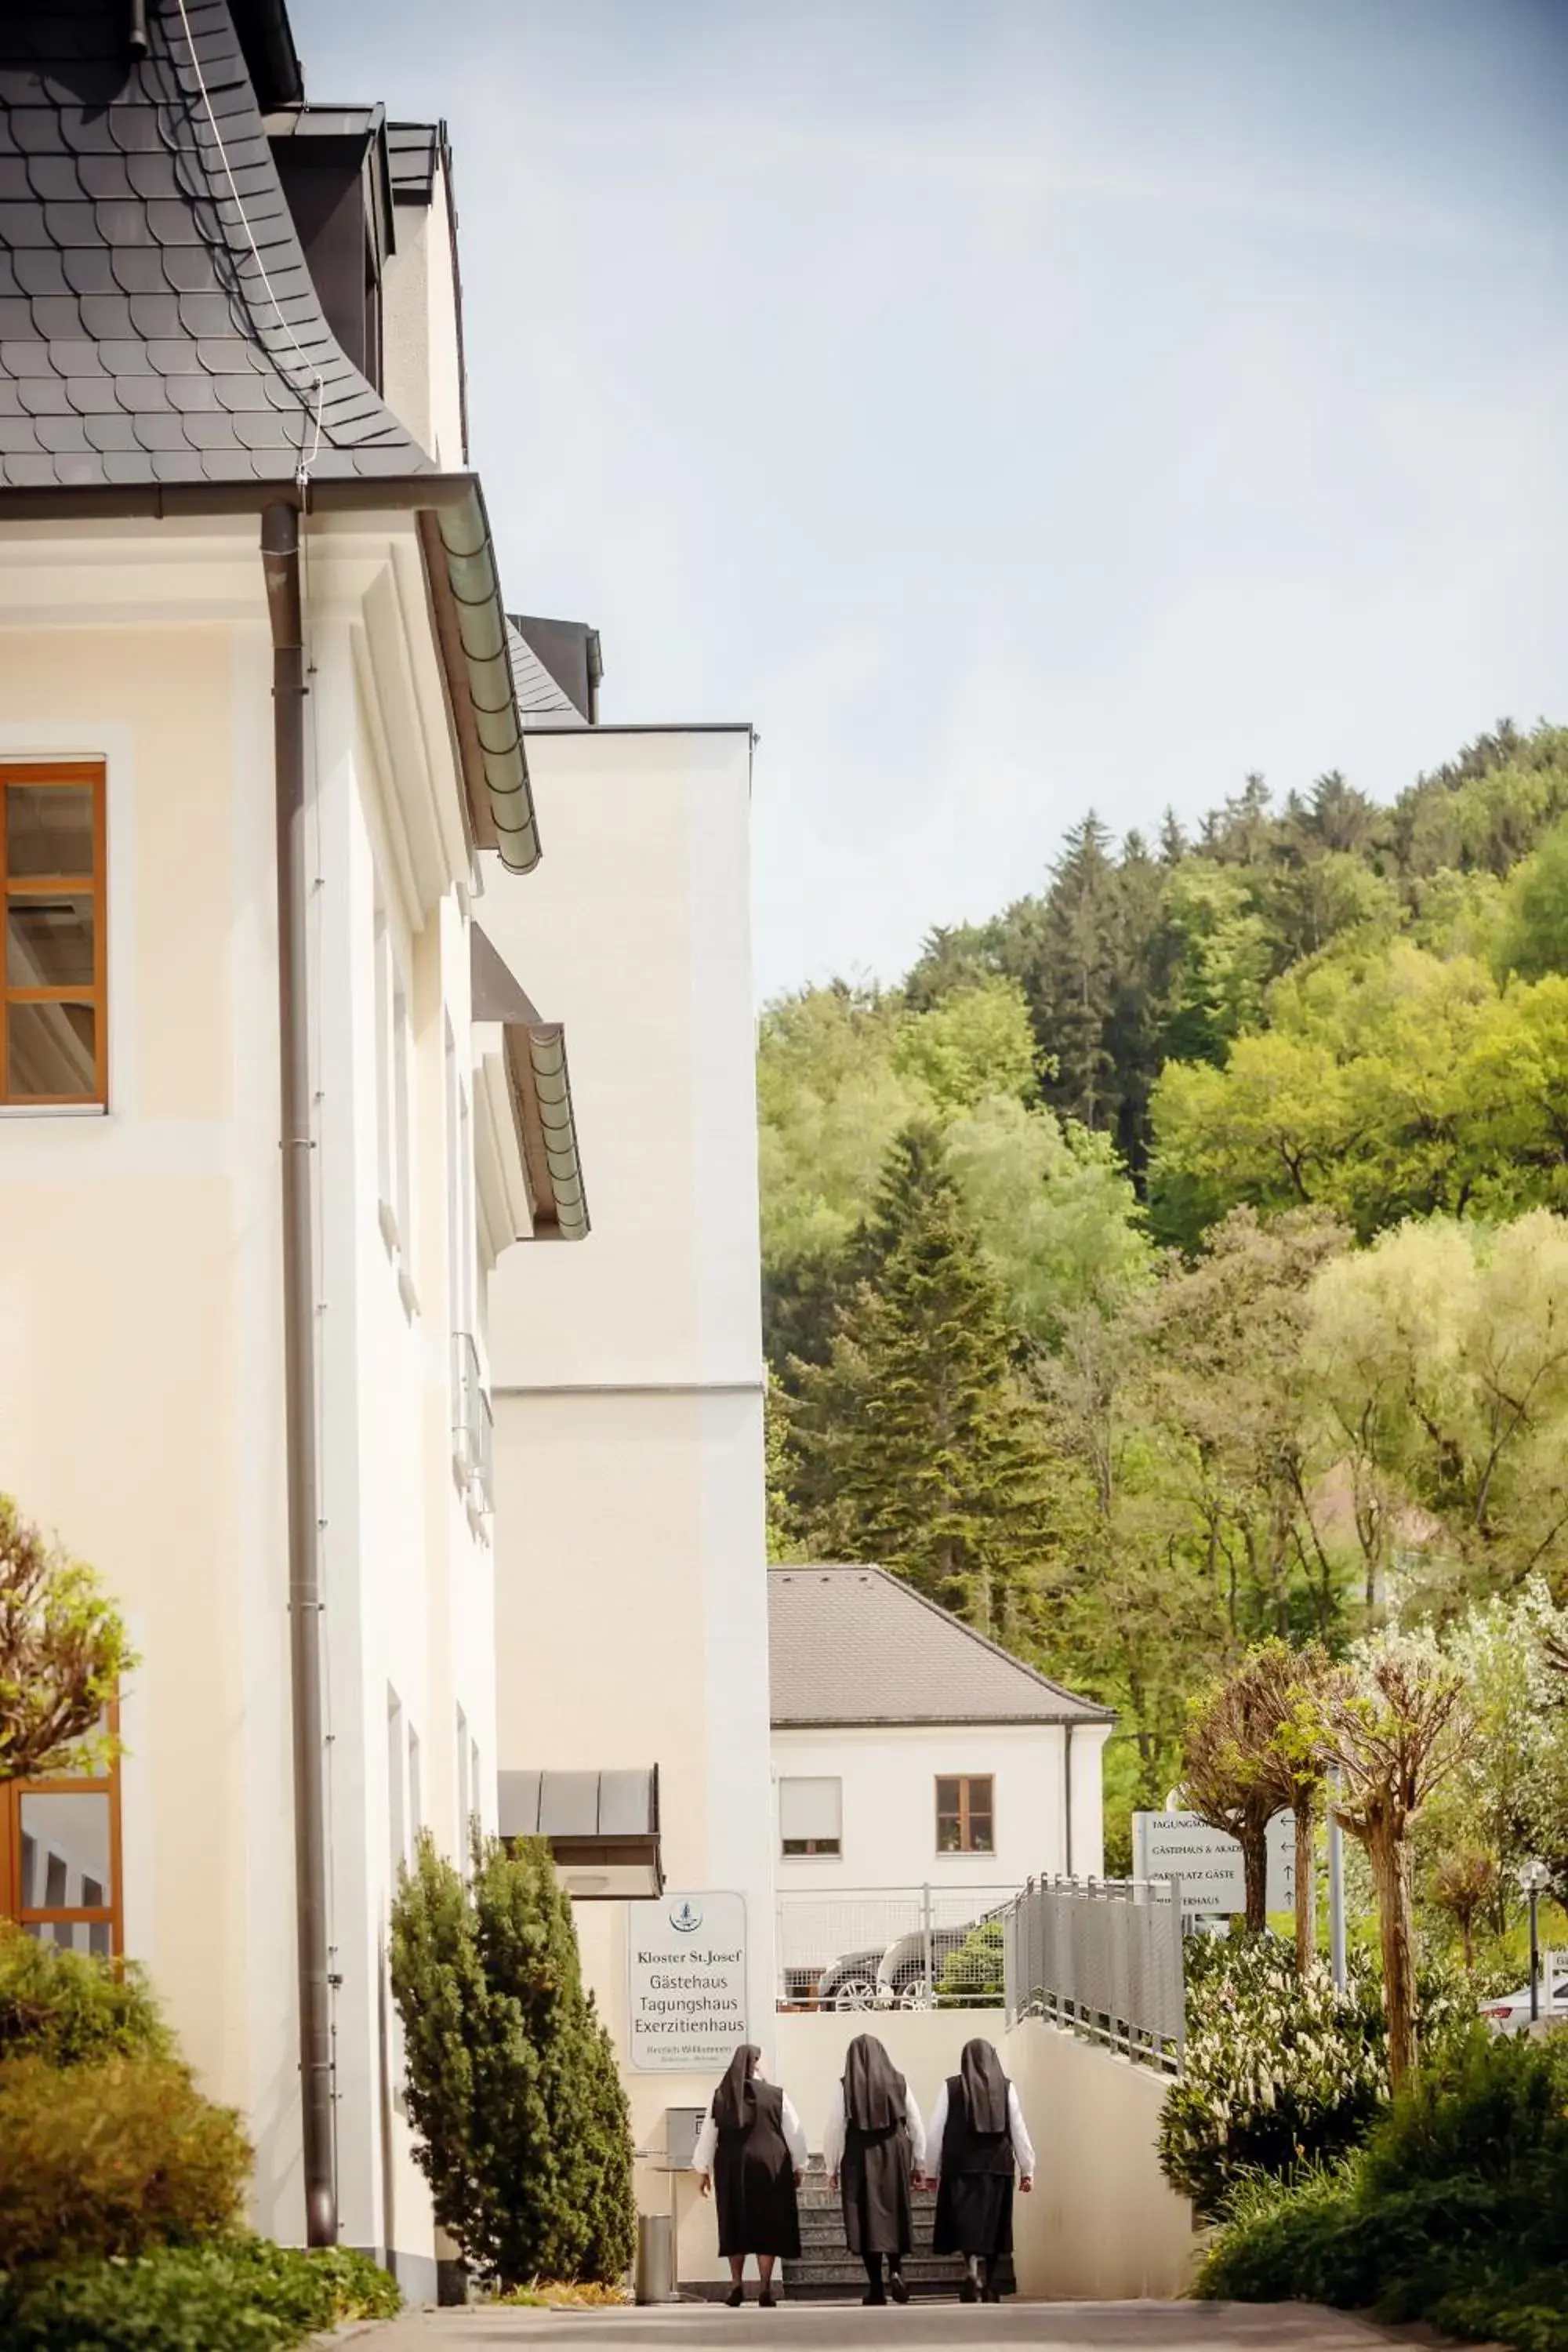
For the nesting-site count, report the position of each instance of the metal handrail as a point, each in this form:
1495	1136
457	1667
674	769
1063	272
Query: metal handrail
1101	1958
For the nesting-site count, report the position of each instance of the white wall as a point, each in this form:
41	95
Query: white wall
888	1776
632	1616
1103	2223
141	1299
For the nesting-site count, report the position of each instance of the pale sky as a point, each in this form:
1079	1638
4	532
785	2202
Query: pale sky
1012	406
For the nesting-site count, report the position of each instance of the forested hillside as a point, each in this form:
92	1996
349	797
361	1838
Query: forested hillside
1177	1257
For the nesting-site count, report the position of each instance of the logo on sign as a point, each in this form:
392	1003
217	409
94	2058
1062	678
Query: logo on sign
685	1916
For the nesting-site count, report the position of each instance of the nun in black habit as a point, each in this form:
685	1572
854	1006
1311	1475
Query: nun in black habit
751	2153
977	2139
873	2145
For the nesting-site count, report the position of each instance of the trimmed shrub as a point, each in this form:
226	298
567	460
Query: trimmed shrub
242	2294
72	2009
112	2160
524	2129
1456	2212
972	1976
1280	2072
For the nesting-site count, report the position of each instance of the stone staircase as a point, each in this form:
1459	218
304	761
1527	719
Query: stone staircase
829	2273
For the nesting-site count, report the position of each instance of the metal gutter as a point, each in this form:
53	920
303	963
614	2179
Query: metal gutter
280	565
465	592
542	1091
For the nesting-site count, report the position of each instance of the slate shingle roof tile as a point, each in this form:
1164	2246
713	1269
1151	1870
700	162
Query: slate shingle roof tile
857	1645
137	331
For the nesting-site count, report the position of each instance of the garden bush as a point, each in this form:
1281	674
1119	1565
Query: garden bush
112	2160
523	2124
1280	2072
1456	2212
71	2008
243	2294
971	1977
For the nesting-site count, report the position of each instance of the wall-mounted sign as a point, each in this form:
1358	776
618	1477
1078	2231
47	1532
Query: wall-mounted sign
686	1970
1208	1863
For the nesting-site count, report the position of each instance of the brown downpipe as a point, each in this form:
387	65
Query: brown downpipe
280	565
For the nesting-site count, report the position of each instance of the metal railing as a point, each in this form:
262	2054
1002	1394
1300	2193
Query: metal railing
473	1428
1103	1958
893	1948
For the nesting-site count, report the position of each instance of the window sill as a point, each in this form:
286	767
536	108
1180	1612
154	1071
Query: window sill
54	1110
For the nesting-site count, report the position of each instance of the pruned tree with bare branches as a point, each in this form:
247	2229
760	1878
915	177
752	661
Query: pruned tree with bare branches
63	1649
1396	1729
1229	1727
1294	1688
1463	1884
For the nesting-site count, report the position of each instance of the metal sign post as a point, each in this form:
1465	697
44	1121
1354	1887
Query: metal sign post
1336	1887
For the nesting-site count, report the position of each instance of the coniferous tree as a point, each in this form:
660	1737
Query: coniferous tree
920	1446
522	2124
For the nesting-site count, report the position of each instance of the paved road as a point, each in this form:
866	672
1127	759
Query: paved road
838	2328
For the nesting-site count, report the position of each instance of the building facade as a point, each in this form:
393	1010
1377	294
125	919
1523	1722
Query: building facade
631	1575
259	754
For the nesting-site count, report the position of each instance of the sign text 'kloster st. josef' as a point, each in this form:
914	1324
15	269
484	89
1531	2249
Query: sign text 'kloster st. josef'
687	1972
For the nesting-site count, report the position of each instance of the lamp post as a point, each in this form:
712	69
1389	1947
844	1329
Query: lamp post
1535	1878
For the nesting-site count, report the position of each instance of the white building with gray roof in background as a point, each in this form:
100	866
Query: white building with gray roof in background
911	1754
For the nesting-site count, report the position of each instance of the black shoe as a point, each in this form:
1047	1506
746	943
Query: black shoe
897	2288
874	2294
736	2297
969	2292
767	2300
991	2295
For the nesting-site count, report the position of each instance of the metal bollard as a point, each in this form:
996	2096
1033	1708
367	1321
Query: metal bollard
655	2276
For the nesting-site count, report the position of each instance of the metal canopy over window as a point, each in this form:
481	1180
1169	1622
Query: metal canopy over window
602	1828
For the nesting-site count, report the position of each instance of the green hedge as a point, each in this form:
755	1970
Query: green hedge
72	2009
1456	2212
242	2295
112	2160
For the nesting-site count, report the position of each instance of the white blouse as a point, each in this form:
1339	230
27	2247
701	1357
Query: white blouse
708	2138
1022	2147
833	2131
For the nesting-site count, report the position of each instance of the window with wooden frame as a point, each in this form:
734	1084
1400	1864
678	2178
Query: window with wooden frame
61	1874
966	1814
54	1031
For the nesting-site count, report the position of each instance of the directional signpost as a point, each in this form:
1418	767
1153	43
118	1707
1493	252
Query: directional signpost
1208	1863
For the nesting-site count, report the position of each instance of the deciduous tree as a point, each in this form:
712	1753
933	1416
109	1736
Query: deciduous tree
63	1651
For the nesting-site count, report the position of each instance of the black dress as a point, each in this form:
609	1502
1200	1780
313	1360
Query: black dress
974	2193
753	2181
874	2174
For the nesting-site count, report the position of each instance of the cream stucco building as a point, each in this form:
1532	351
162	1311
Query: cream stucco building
260	1147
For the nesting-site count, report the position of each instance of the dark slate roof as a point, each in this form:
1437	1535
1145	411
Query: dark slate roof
540	701
856	1645
143	339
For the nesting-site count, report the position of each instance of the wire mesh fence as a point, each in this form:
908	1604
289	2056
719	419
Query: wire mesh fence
1102	1956
896	1948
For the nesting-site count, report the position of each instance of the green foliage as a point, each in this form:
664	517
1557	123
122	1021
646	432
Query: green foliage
1456	2212
113	2159
72	2009
242	2294
973	1977
512	2088
63	1654
919	1447
1281	2071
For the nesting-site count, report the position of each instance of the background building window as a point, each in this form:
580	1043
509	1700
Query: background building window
811	1816
53	973
965	1815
